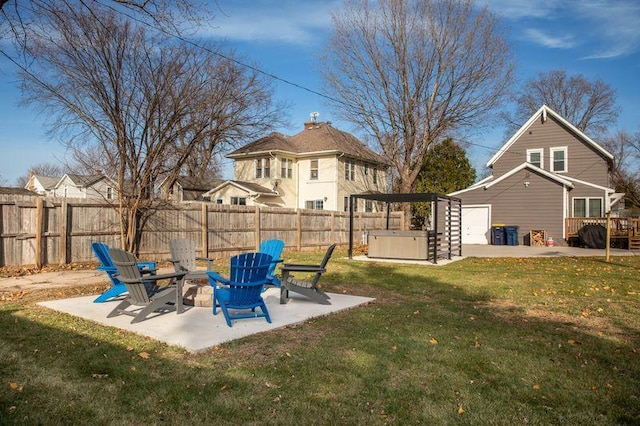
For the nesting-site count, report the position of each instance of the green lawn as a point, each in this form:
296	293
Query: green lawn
479	341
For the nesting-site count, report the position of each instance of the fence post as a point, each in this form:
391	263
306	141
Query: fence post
64	220
299	230
257	224
39	228
333	227
204	211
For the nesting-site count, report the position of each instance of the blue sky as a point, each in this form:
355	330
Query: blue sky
596	38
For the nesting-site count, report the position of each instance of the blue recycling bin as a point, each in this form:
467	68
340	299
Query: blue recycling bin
511	234
497	236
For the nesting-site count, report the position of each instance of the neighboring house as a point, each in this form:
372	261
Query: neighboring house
185	188
317	168
43	185
548	171
96	186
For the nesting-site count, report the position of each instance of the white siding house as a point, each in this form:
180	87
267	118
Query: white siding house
317	168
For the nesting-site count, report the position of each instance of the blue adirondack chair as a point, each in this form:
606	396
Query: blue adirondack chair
101	250
243	289
274	249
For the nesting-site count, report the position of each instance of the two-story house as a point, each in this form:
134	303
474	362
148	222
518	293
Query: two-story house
547	171
98	186
317	168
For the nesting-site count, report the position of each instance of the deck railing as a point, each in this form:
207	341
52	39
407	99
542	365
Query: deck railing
621	227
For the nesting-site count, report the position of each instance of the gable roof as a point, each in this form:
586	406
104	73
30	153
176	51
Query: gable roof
83	181
249	187
190	183
489	181
316	138
47	182
543	113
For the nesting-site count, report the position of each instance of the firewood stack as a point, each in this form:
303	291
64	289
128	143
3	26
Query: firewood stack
538	237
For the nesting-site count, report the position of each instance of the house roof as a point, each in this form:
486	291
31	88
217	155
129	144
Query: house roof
15	191
48	182
249	187
489	182
542	114
83	181
197	184
315	138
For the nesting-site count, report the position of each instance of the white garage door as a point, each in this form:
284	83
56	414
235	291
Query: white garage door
475	224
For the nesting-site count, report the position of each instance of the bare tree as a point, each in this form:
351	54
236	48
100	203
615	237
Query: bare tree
17	16
588	105
126	97
42	169
625	173
239	108
409	73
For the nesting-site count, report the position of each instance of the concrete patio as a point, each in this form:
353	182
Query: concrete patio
197	329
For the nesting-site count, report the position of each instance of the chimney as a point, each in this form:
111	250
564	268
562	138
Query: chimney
30	185
314	121
98	172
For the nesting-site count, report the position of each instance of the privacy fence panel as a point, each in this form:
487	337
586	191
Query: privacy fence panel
36	231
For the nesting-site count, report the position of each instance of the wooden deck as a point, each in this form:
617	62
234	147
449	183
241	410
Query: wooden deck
622	230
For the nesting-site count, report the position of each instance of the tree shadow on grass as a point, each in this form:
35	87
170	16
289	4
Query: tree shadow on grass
428	350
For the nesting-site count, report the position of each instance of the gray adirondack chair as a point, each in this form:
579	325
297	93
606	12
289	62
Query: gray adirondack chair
144	291
183	257
306	288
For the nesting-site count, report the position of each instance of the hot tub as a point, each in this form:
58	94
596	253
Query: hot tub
390	244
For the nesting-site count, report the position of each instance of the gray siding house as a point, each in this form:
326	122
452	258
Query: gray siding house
546	172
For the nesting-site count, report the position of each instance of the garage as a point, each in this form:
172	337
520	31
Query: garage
476	221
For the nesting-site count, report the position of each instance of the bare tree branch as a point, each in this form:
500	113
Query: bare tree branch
140	106
412	72
588	105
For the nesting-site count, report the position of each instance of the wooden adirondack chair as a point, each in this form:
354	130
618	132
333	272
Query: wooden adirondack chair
143	290
243	291
101	250
306	288
274	249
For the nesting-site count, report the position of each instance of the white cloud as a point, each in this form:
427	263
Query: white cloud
615	29
605	28
551	41
290	22
518	9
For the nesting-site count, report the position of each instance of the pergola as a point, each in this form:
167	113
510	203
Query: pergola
444	237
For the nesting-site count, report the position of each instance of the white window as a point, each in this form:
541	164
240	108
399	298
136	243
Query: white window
219	200
314	170
366	169
534	156
587	207
109	193
263	167
375	175
314	204
286	168
558	159
346	204
350	170
239	201
368	205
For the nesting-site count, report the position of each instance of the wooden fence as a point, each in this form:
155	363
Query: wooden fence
37	231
